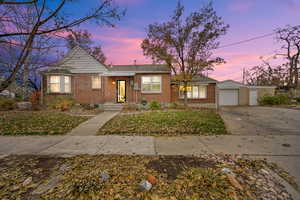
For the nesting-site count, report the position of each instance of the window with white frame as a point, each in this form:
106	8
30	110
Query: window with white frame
59	84
96	82
151	84
194	92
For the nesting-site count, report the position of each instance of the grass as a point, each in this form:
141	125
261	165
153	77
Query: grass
37	123
166	123
177	177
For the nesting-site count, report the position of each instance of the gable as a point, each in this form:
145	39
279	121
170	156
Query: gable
80	61
230	84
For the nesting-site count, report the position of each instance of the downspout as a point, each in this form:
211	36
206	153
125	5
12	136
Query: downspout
42	91
217	96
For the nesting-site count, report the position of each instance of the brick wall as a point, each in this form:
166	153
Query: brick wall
163	97
83	93
81	90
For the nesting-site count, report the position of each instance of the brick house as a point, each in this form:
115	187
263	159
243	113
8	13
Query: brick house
82	77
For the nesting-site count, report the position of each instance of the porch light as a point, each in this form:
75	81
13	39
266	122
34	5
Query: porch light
114	82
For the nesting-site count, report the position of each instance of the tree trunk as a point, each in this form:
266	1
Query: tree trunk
185	94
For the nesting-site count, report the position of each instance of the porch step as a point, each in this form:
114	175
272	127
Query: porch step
112	107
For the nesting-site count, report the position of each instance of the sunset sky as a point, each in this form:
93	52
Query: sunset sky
247	19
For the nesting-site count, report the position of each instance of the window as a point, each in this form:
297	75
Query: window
151	84
60	84
54	83
194	92
96	82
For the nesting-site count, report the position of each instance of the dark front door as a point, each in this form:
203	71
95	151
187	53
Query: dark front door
121	91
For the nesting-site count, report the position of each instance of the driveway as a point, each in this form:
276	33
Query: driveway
261	120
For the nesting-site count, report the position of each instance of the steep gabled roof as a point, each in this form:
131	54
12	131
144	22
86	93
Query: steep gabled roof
78	60
140	68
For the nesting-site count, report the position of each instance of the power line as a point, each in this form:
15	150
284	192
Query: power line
245	41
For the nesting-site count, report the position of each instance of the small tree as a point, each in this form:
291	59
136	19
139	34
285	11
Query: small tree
84	39
186	44
290	36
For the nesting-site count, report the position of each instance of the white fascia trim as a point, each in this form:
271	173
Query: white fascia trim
261	87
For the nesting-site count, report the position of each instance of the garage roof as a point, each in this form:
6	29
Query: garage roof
230	84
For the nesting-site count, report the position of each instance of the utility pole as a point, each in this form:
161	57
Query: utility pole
244	75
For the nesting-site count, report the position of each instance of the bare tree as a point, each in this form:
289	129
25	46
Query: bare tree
290	36
185	44
84	39
17	2
266	74
22	24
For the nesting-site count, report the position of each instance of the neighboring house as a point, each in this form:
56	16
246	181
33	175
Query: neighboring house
233	93
82	77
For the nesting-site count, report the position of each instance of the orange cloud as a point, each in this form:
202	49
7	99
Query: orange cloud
122	46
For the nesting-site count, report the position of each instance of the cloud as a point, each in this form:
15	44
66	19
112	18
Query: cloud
292	6
122	46
234	65
241	5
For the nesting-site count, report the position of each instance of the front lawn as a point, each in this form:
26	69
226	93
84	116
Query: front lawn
173	178
37	123
166	123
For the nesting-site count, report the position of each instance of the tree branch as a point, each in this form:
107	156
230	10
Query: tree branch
17	2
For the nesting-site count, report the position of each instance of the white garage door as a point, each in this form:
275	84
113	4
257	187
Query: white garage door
229	97
253	97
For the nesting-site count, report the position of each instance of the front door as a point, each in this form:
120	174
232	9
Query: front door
121	91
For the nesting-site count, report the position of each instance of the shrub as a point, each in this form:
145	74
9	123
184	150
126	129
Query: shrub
7	104
173	105
144	102
274	100
62	103
130	107
297	99
154	105
35	97
89	106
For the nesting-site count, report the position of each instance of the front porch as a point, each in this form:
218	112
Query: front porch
119	90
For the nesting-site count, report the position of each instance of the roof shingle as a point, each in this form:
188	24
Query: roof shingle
139	68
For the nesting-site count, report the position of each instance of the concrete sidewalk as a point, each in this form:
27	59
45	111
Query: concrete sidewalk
147	145
91	127
284	150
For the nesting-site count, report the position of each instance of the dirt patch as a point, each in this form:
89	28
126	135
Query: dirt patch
174	165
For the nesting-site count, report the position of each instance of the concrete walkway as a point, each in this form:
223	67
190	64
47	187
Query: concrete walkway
284	150
91	127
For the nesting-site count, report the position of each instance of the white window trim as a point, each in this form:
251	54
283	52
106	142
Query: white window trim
151	92
61	84
206	93
96	88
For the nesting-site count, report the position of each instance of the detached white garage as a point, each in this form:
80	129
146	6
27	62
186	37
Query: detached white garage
229	93
233	93
229	97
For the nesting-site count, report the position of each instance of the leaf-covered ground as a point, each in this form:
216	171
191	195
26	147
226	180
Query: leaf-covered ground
166	123
177	178
37	123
